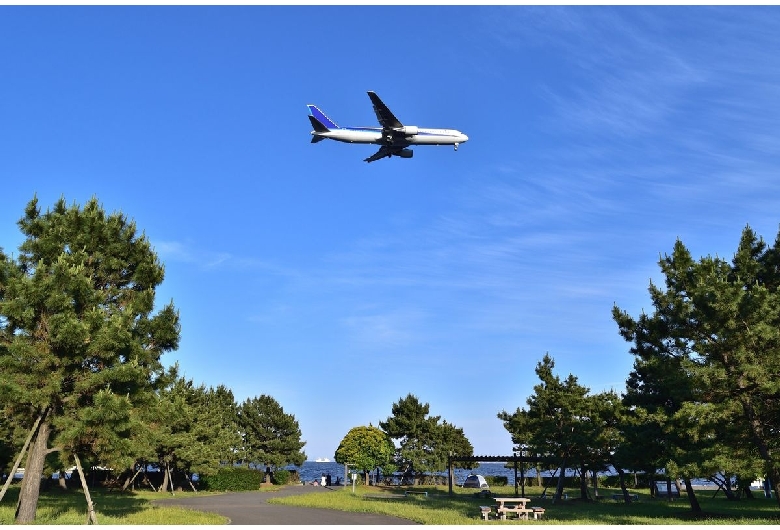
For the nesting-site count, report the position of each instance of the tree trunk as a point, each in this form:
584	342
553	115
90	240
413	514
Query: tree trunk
653	488
695	508
622	477
774	477
583	484
21	454
623	488
679	486
727	489
757	432
165	480
91	517
33	470
561	478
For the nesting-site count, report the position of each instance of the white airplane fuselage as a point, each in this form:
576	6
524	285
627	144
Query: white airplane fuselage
393	136
374	135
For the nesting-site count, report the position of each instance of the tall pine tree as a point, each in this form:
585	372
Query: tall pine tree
720	323
80	341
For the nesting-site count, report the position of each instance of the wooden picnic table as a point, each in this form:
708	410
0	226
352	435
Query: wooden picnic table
514	505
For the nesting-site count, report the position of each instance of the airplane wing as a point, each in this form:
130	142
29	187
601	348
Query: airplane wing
386	118
383	152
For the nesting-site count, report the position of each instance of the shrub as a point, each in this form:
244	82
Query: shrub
280	477
233	479
497	480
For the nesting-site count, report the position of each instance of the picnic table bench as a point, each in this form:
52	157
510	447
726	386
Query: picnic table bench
502	509
619	496
411	492
505	505
383	496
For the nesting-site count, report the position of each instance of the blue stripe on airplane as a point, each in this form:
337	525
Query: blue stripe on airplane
317	113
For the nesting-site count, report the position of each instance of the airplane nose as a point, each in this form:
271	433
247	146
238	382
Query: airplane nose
464	138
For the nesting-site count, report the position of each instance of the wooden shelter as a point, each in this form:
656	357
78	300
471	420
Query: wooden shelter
515	459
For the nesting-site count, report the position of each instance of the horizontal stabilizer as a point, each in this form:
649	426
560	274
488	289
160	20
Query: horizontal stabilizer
315	139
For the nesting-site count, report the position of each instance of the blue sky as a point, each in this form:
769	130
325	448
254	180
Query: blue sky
598	136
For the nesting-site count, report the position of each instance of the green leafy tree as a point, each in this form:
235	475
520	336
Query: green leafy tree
270	436
606	436
720	322
366	448
414	430
423	443
223	410
6	446
555	423
187	432
656	389
452	441
80	342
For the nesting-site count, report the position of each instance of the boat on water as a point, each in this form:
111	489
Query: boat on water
322	459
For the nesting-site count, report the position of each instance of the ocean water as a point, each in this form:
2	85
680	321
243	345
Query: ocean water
311	470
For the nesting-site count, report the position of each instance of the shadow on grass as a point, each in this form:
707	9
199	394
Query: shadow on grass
647	510
55	503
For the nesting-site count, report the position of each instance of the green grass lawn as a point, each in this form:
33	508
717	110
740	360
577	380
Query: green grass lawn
56	507
65	508
463	507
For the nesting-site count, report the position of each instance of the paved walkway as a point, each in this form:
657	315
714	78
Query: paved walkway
251	508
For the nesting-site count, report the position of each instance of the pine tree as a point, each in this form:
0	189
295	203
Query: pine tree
555	423
719	322
415	432
271	437
79	340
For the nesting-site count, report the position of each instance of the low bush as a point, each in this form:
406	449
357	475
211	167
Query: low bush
233	479
280	477
497	480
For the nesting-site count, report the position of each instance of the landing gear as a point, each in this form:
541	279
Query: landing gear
456	147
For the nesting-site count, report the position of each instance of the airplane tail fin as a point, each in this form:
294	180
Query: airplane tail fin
318	126
320	117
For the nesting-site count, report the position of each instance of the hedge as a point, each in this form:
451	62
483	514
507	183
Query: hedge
233	479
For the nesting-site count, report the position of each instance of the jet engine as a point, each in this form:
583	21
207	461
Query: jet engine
405	153
409	130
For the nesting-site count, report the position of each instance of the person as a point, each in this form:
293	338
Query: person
322	480
328	479
338	481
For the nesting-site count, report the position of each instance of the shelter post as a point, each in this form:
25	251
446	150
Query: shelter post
450	472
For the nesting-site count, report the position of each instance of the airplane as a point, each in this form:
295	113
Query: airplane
393	136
